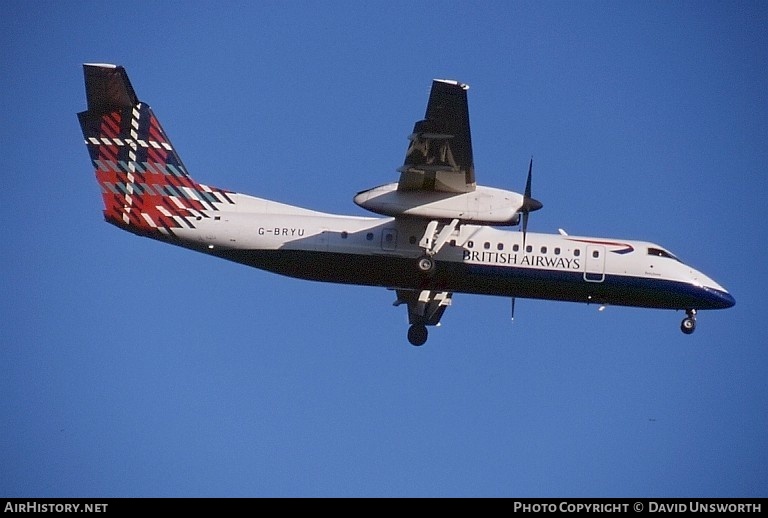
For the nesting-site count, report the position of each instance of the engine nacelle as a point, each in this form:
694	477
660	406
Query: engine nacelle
484	205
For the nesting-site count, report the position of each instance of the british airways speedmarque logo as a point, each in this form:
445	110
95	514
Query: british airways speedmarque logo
622	248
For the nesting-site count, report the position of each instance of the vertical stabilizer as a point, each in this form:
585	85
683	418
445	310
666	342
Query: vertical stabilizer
145	186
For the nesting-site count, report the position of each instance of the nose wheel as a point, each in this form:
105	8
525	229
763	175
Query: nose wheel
688	325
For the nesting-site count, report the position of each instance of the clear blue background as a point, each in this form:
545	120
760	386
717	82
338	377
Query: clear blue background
132	368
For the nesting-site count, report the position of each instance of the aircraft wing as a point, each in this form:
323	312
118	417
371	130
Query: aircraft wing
439	157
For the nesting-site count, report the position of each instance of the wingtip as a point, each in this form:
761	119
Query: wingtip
100	65
453	82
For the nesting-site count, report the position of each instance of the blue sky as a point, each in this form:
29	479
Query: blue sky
132	368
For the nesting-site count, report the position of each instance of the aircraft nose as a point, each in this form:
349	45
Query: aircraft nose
713	295
726	299
713	298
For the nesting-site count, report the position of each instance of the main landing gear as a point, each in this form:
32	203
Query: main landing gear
688	325
432	242
425	308
417	334
426	264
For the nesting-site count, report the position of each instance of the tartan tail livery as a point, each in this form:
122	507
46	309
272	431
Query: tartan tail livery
145	187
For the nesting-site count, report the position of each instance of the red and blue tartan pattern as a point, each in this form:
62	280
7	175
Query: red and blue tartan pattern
145	185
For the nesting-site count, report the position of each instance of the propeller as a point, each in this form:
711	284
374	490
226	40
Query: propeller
529	204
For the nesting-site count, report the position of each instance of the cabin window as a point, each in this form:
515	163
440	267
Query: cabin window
344	235
470	244
486	245
543	249
369	236
500	246
595	254
576	253
453	242
529	249
515	248
557	251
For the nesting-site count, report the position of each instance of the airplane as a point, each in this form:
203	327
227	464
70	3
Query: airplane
436	231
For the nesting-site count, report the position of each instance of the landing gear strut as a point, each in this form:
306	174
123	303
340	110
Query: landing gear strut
417	334
425	307
688	325
432	242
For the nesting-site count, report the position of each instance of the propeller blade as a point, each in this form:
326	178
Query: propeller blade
525	226
528	181
529	204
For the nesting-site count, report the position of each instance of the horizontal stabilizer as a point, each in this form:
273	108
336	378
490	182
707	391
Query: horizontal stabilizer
108	88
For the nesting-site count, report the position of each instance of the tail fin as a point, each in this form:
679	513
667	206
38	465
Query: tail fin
145	187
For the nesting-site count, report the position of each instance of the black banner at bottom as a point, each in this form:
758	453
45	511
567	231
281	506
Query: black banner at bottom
514	505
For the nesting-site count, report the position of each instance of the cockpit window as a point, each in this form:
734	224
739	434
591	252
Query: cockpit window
658	252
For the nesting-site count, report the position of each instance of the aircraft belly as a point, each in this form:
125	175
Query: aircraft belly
362	269
572	286
395	272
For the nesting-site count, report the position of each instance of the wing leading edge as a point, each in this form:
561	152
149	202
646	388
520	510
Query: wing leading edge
439	157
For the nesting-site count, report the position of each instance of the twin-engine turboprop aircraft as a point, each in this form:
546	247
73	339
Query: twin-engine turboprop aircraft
439	234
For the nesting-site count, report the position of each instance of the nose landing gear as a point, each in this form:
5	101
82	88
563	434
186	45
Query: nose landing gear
688	324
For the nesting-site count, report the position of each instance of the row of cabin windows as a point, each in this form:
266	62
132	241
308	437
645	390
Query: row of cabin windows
516	248
500	246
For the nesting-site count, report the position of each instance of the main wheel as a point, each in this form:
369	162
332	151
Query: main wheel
417	334
688	325
426	264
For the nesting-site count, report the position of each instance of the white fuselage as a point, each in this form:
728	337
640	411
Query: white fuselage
477	259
